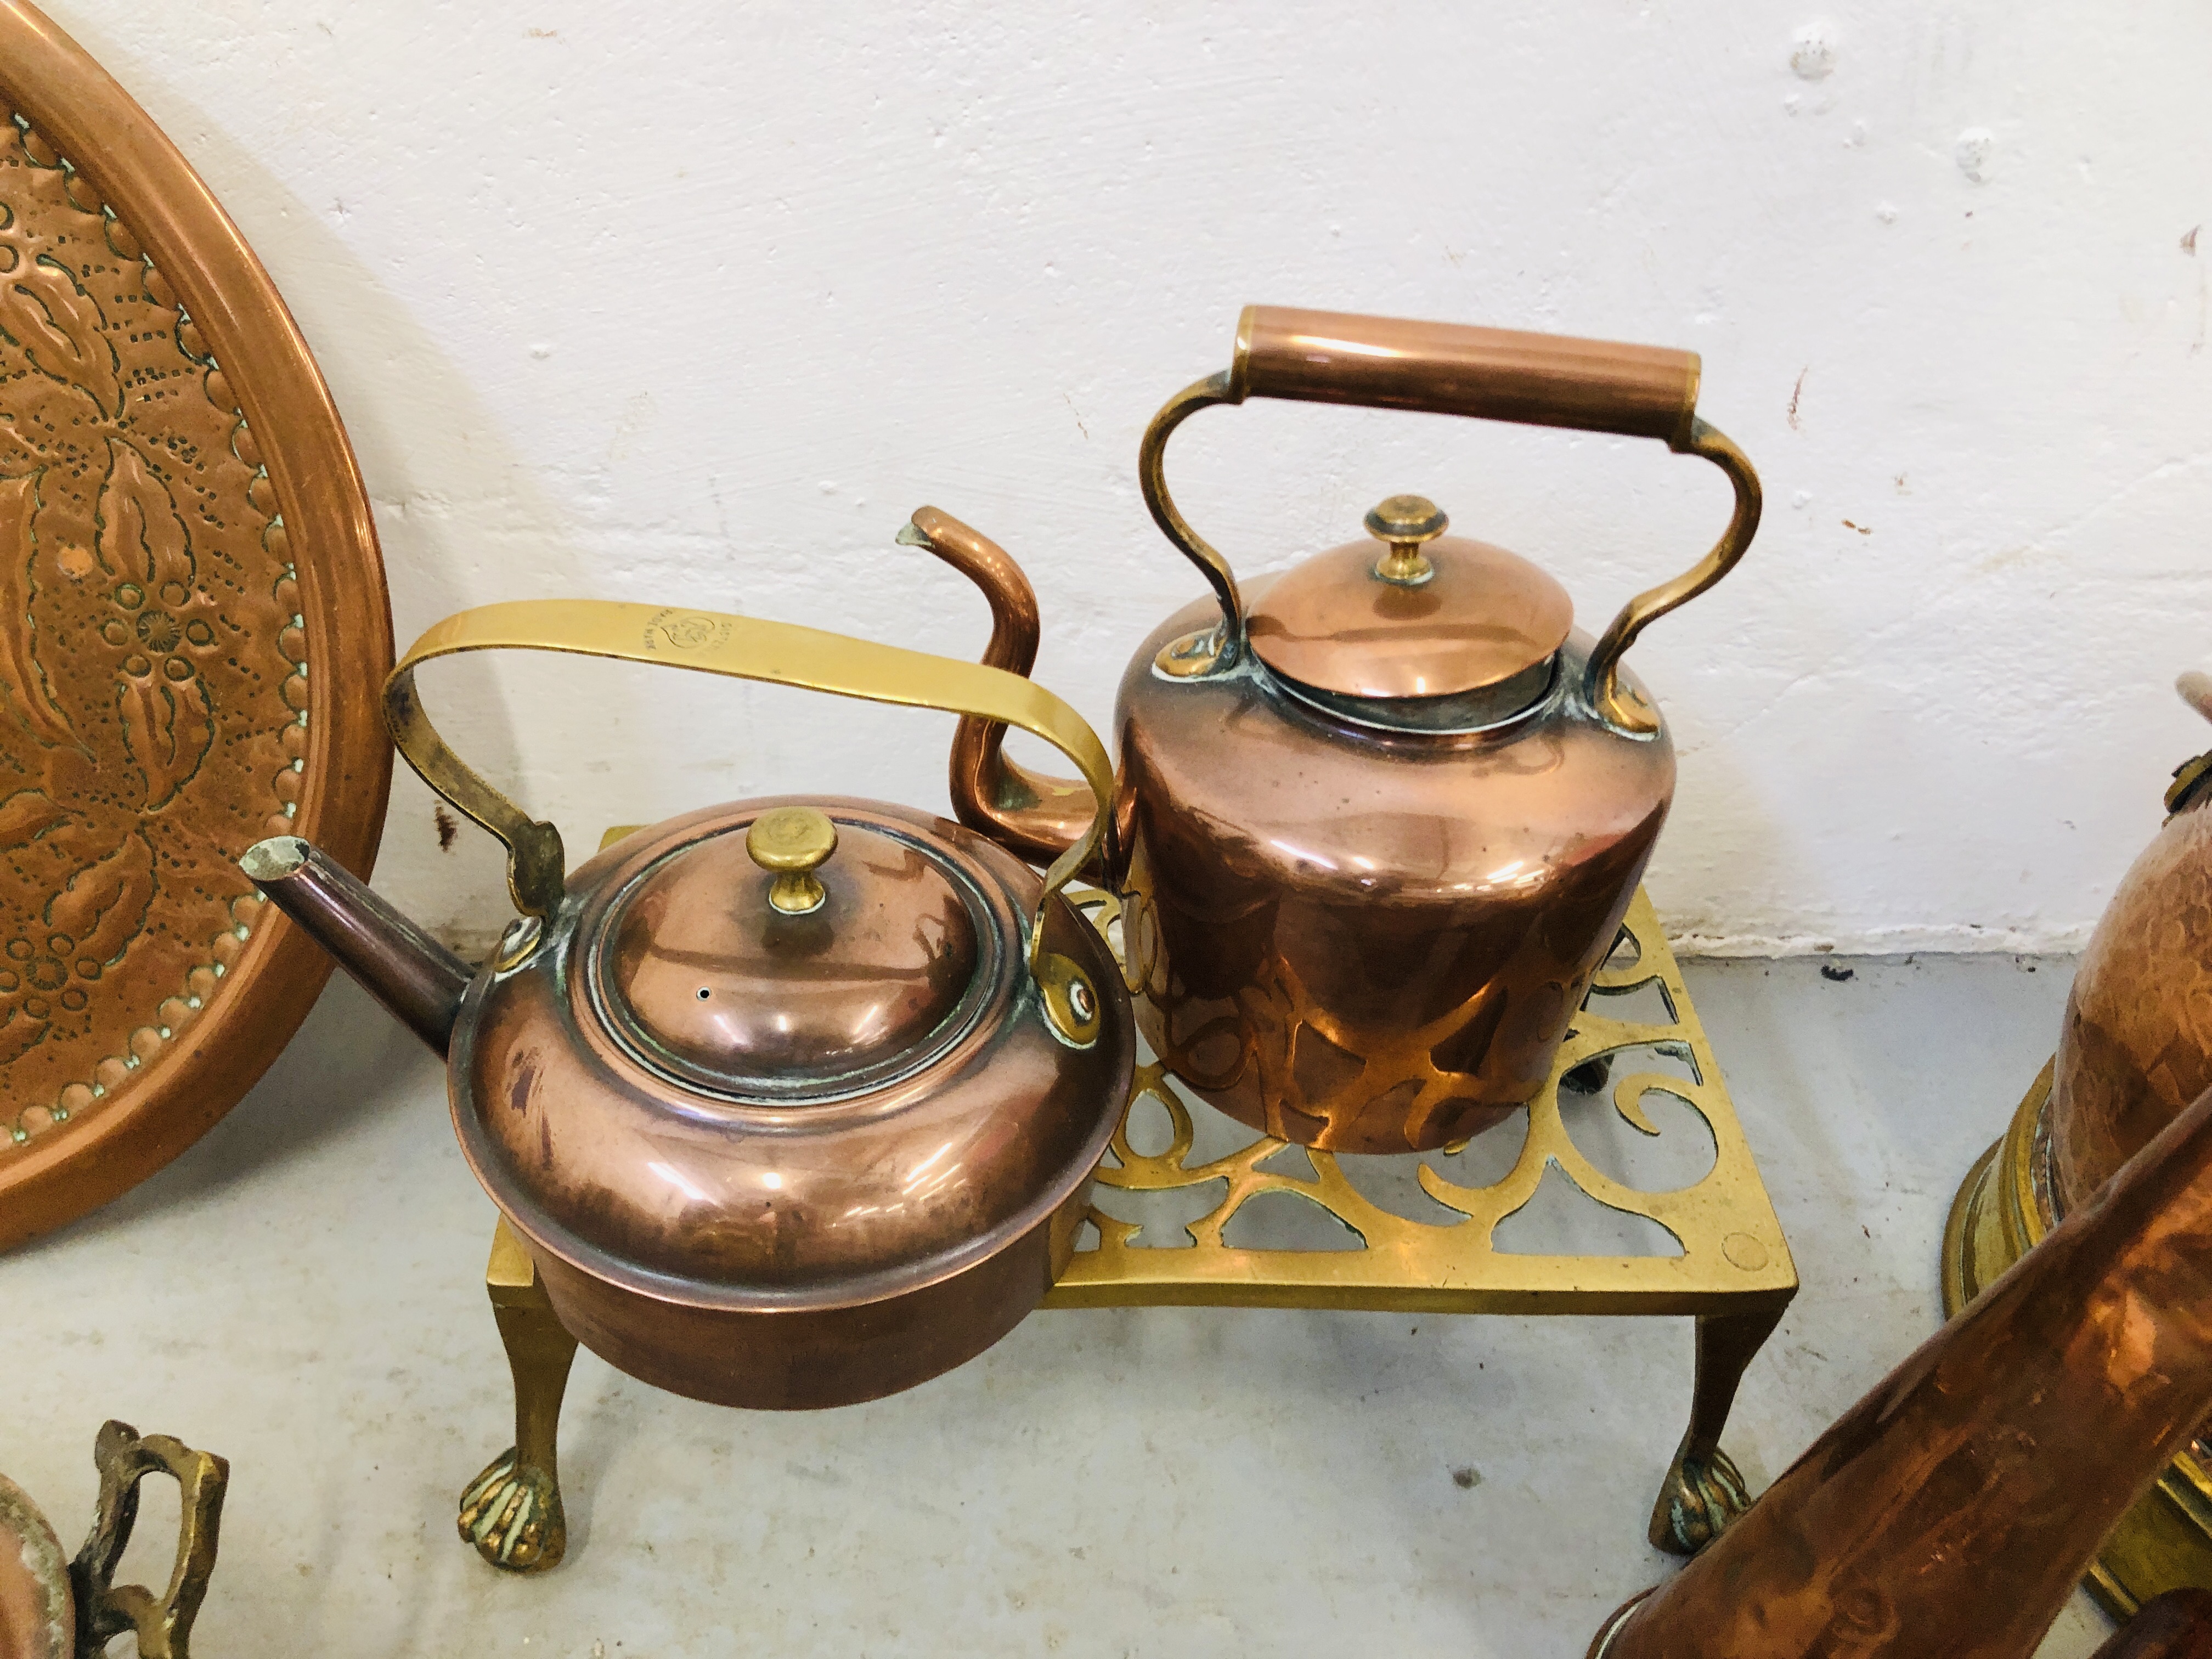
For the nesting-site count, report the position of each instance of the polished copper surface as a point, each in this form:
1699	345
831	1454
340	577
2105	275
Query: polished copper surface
183	536
708	977
809	1358
842	1228
1483	615
2136	1044
661	1219
737	1137
1375	821
417	979
1452	368
1363	942
2175	1626
2131	1053
769	1202
1953	1508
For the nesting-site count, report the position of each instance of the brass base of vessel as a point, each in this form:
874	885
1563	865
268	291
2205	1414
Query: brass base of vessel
2002	1209
1733	1271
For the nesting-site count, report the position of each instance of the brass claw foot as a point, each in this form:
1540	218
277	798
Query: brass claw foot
513	1515
1700	1497
1704	1491
512	1512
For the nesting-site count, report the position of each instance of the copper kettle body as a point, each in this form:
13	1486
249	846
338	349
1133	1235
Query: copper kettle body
2137	1045
794	1102
1376	820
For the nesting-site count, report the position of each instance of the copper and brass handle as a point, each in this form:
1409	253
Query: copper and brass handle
1495	374
745	648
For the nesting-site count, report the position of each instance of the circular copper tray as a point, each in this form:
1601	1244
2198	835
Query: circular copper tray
193	627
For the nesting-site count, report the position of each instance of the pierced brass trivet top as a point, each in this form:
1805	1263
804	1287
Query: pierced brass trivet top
1731	1248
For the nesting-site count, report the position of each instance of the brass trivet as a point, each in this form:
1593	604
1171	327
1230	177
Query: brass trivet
1734	1272
2002	1210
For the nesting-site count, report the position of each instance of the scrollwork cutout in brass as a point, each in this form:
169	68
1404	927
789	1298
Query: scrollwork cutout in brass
1733	1271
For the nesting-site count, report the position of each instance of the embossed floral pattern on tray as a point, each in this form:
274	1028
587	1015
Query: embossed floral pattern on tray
153	686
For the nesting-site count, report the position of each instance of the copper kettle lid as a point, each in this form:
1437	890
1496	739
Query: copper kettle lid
796	958
1433	615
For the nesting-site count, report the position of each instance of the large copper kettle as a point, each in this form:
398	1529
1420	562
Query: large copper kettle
1378	819
794	1102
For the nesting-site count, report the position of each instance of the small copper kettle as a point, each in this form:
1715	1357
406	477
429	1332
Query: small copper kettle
1378	819
794	1102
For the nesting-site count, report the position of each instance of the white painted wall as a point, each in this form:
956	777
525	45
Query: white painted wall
694	301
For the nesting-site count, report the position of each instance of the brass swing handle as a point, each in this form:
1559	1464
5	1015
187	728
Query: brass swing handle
745	647
1449	368
106	1609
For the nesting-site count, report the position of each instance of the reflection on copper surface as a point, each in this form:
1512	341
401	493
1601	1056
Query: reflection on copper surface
1485	615
1452	369
1359	942
1953	1508
834	1248
1369	945
2136	1044
1316	773
708	974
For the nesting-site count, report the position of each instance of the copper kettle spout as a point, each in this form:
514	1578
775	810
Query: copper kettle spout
1953	1508
1032	816
398	963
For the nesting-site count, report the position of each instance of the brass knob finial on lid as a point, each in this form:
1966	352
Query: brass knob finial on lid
790	842
1405	522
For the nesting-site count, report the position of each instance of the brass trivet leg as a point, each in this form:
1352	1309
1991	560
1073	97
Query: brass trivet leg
512	1511
1703	1491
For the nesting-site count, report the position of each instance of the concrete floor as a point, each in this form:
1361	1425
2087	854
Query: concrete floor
302	1293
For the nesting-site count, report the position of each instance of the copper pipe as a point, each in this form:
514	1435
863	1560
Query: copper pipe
1032	816
398	963
1952	1510
2175	1626
1452	369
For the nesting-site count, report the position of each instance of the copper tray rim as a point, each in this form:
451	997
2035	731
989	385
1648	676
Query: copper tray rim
86	114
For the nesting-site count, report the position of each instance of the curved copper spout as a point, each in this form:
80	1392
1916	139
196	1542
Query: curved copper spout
1952	1510
1032	816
